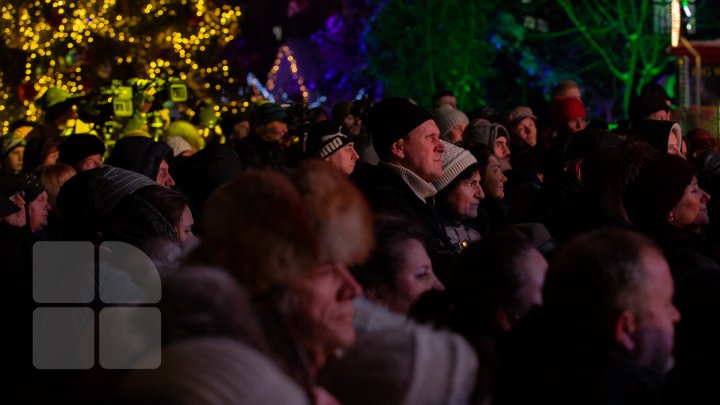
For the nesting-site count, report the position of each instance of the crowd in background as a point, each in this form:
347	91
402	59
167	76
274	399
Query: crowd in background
394	256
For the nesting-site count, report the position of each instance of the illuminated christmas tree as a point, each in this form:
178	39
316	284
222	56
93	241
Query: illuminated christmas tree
82	45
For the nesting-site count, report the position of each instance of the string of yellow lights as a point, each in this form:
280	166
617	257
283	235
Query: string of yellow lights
59	39
285	52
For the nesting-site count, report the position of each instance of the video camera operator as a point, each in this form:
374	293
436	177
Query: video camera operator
134	105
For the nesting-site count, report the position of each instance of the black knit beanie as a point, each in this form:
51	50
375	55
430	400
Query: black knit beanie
392	119
266	113
75	148
325	138
653	98
33	187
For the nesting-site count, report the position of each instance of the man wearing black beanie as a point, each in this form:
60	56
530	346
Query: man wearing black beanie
406	139
82	151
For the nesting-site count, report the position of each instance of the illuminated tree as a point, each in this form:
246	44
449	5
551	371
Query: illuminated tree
342	44
416	47
527	71
620	35
81	45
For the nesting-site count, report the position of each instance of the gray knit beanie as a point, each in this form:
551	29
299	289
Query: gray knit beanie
455	160
484	132
113	184
516	115
446	117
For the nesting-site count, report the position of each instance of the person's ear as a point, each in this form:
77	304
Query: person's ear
578	169
624	328
398	148
505	319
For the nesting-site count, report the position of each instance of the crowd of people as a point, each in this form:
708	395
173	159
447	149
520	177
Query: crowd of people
402	256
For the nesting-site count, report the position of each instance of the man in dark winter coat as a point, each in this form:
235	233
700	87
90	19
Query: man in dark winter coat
262	149
407	142
605	333
200	174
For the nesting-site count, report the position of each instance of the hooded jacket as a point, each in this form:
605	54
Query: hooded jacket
656	133
141	155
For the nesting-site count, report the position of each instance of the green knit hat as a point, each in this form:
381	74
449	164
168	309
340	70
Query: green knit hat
9	143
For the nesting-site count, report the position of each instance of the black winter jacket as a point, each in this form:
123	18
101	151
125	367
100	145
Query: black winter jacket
388	193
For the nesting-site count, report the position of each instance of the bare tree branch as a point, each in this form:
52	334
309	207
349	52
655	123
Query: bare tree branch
570	11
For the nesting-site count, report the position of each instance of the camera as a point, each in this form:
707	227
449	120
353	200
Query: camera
121	97
297	118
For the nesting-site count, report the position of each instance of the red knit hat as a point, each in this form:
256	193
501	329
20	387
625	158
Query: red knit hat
567	109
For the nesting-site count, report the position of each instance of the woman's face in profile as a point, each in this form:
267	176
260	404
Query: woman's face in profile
691	211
